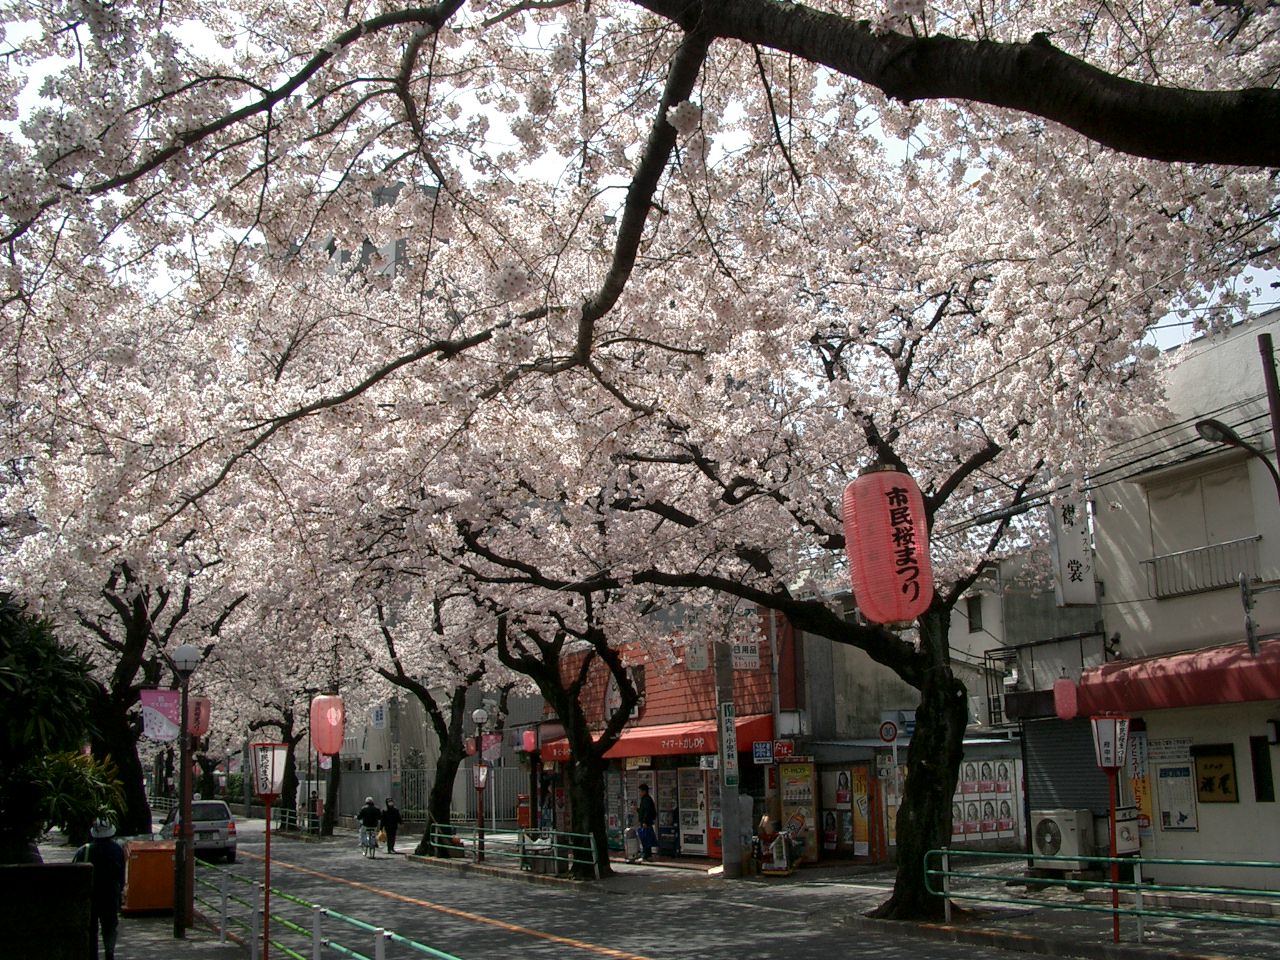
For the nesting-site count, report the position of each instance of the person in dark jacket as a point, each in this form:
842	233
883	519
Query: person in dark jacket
108	882
647	814
391	823
369	817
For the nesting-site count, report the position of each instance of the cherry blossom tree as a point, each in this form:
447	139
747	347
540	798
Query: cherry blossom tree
619	293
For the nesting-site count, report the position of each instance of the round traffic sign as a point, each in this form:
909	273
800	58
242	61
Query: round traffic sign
888	731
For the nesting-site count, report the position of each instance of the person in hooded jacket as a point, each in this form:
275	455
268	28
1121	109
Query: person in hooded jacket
107	859
369	817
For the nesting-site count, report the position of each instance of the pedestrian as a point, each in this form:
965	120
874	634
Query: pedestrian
369	817
391	824
647	814
107	858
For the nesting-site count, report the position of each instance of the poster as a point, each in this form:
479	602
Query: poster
861	811
1175	787
160	712
798	810
1139	777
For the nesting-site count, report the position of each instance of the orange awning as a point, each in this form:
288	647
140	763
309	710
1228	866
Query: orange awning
671	739
1229	674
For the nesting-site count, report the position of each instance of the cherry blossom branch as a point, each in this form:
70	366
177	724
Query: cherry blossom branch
1238	127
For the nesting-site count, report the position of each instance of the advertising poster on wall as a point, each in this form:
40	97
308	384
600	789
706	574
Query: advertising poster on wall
1139	777
1175	789
862	811
798	803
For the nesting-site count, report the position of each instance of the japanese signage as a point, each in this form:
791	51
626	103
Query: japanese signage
1073	553
782	749
728	745
762	751
268	767
378	716
746	655
696	656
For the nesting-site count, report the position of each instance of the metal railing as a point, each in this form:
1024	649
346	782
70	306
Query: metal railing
308	932
538	851
1204	568
1138	898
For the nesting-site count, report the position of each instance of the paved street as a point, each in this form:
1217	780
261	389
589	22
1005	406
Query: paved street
647	912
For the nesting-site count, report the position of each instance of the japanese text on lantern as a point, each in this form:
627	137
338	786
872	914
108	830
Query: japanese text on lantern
904	541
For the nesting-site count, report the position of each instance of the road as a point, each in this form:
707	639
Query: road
645	913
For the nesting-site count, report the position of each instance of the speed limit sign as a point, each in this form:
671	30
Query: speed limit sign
888	731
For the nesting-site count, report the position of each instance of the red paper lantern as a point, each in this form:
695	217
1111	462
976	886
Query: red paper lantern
198	710
887	540
328	718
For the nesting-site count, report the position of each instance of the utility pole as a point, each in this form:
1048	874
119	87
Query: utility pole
727	741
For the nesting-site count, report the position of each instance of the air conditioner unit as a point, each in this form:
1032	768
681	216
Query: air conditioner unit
1061	833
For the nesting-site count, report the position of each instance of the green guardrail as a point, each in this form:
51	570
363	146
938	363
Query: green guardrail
538	851
1138	897
310	935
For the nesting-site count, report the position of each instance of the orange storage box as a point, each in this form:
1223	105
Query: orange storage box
148	880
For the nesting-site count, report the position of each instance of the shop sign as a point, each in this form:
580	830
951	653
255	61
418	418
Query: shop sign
762	751
637	763
709	761
696	656
783	749
746	655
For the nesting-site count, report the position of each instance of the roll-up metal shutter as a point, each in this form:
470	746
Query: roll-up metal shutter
1061	770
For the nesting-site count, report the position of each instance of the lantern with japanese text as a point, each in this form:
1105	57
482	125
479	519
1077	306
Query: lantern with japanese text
887	540
198	710
328	721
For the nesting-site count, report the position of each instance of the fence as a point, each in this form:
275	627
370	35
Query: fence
501	795
1136	897
299	934
534	850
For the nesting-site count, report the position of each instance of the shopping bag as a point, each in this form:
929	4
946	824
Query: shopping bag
382	835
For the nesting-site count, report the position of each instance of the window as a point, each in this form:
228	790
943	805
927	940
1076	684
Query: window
973	612
1264	784
1193	512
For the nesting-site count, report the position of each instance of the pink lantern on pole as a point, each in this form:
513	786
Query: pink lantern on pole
198	714
328	719
887	540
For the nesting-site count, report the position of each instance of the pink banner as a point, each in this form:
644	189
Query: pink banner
161	710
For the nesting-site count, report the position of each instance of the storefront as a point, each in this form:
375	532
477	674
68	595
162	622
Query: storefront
679	763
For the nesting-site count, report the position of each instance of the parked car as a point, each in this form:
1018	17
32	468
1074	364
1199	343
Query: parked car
214	830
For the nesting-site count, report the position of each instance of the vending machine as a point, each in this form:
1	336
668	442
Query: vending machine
691	798
668	813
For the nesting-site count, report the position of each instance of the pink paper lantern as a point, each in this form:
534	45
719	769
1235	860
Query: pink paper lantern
198	713
328	720
887	540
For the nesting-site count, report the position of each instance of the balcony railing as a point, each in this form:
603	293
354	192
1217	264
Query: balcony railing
1204	568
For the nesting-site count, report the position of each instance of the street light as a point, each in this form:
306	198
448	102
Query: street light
480	774
185	659
1215	431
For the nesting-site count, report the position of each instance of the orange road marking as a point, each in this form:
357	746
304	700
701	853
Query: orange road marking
460	914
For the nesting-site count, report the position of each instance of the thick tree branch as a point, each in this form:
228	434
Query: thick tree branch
1238	127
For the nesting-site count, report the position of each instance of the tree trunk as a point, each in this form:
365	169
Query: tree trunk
115	739
440	801
586	793
924	818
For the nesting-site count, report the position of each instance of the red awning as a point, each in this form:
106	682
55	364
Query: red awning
1229	674
671	739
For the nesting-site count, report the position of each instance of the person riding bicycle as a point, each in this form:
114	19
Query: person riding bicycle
369	817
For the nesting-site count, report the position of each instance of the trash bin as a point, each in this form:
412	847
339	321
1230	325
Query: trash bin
148	879
524	811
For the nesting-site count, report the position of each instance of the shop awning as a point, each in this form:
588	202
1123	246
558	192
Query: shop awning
1229	674
671	739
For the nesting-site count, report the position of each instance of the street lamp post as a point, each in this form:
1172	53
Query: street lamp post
1110	738
1215	431
185	660
480	772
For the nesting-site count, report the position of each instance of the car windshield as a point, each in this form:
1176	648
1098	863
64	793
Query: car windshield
209	811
